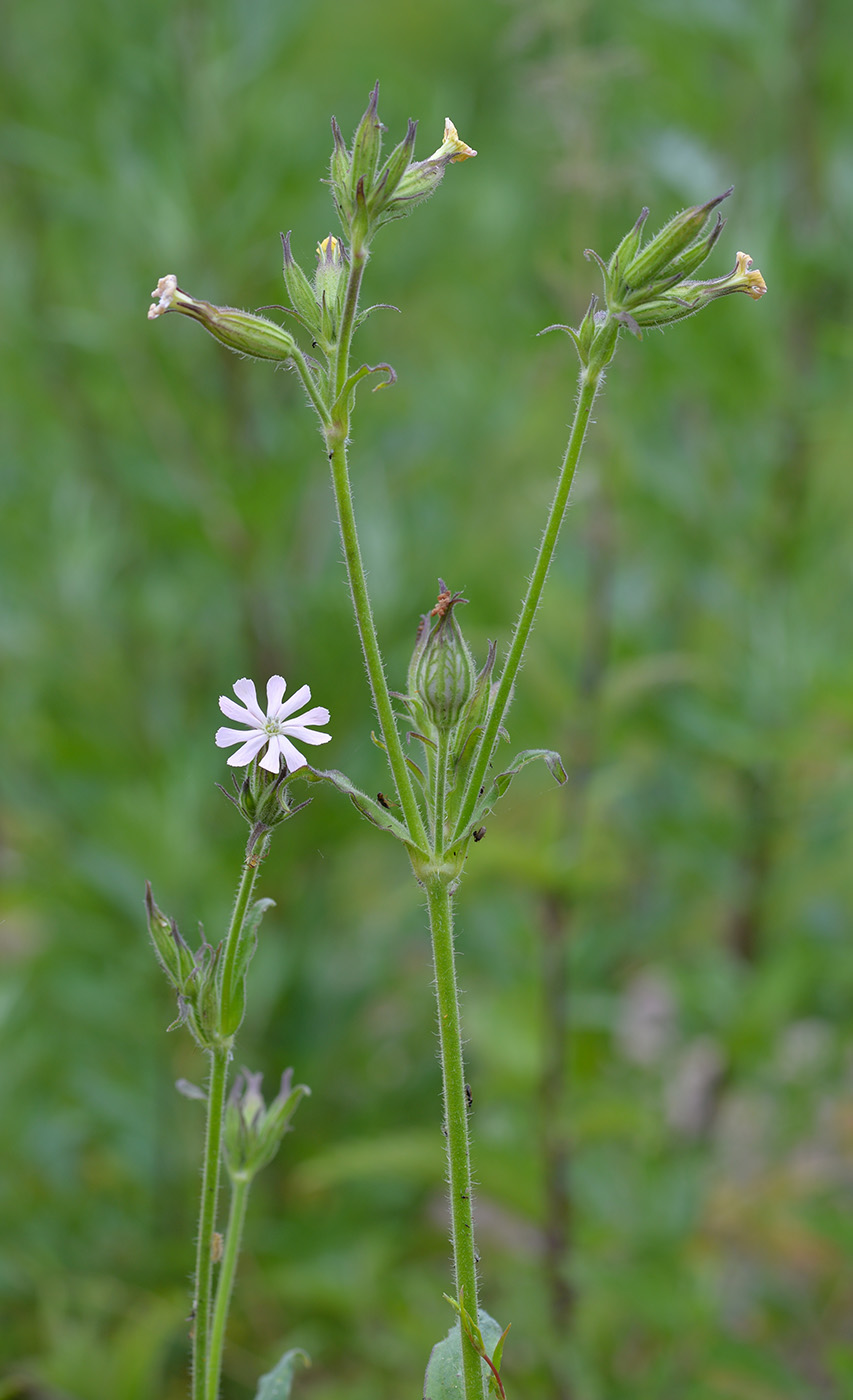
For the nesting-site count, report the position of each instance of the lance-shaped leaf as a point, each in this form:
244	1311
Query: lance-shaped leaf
499	784
367	806
275	1385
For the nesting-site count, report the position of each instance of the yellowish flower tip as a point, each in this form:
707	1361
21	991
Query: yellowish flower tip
451	148
166	293
329	248
755	284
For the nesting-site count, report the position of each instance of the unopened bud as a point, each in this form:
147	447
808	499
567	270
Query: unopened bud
173	954
242	331
330	277
443	669
366	145
253	1132
654	260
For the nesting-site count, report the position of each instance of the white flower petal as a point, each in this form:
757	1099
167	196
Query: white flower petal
253	745
319	715
307	736
272	758
276	686
230	708
297	698
292	757
245	691
224	737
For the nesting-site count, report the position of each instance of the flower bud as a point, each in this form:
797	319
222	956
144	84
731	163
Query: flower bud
239	330
366	145
299	289
330	278
253	1132
442	670
173	953
654	260
339	175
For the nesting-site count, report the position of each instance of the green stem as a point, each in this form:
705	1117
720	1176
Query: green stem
211	1167
248	876
370	643
310	387
583	408
225	1286
440	792
336	438
207	1218
456	1121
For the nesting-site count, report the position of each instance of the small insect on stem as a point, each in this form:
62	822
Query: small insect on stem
216	1247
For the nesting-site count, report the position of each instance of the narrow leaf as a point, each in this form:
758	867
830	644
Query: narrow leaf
374	811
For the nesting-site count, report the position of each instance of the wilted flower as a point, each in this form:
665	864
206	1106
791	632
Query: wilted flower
242	331
274	729
451	148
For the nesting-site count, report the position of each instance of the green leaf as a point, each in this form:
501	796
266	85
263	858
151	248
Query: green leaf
275	1385
501	782
443	1380
374	811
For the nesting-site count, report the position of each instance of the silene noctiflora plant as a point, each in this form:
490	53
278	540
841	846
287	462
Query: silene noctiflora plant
453	711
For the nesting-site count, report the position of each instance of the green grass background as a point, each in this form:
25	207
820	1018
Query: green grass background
167	526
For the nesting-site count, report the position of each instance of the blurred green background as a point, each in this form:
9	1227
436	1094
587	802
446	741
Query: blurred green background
655	959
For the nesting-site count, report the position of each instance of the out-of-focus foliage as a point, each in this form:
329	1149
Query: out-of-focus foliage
667	1215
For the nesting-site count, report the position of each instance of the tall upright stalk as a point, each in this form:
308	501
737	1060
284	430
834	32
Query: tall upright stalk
588	388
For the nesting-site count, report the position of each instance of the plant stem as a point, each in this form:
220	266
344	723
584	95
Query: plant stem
248	876
588	387
211	1168
455	1121
207	1219
336	439
236	1218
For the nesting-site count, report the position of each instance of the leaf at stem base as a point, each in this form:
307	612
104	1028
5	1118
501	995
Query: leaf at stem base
275	1385
443	1380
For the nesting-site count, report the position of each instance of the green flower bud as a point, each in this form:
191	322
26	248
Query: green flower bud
654	260
330	282
239	330
339	176
366	146
442	672
393	170
299	289
173	954
253	1132
629	247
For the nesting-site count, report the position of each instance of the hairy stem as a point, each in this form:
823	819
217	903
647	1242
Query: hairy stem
336	439
583	408
224	1288
207	1219
455	1121
211	1167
